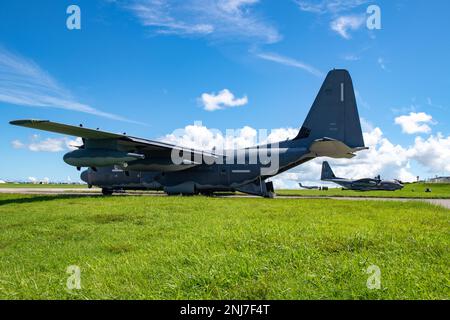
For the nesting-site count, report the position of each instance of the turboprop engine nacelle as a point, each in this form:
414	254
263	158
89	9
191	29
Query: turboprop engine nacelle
100	158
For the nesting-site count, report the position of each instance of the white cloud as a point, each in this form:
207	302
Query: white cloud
32	179
223	19
415	122
224	99
200	137
36	144
23	82
433	153
366	126
343	24
195	136
281	134
290	62
47	145
335	11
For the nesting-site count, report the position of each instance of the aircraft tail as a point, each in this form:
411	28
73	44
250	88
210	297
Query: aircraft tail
334	113
327	173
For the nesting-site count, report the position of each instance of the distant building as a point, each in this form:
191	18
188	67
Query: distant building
440	180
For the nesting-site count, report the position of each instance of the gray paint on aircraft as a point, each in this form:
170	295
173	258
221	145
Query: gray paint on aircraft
332	128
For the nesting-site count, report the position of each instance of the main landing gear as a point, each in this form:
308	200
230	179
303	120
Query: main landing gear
107	192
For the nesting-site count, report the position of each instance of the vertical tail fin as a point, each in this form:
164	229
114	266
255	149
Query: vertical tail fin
327	173
334	113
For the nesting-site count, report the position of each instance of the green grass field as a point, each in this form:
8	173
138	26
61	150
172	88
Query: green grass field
131	247
32	185
413	190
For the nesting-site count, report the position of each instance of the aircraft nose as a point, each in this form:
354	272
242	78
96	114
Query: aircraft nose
85	176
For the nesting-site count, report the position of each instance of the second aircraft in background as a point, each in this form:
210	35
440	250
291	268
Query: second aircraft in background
365	184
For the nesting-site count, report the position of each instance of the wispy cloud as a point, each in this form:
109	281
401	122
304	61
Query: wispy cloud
23	82
336	11
431	104
343	24
329	6
356	55
360	100
382	63
220	19
290	62
224	99
351	57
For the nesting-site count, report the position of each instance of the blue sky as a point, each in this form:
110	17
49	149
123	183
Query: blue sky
143	67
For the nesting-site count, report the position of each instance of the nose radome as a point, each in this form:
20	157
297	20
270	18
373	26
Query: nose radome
84	176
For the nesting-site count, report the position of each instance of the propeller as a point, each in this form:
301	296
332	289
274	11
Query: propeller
78	147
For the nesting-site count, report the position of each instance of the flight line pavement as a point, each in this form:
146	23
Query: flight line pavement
95	191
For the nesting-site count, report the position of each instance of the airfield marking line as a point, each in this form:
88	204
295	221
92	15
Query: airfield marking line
90	192
439	202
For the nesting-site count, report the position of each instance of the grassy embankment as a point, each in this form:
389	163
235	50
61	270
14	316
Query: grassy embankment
221	248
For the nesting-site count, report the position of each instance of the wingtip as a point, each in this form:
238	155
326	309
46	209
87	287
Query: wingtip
26	121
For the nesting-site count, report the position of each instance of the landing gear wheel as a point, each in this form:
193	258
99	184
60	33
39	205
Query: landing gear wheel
107	192
270	195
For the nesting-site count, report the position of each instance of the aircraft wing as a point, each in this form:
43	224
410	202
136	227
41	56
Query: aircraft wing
149	148
81	132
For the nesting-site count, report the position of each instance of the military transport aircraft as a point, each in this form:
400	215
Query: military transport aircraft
308	187
366	184
118	161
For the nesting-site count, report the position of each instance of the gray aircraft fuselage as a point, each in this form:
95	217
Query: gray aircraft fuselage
332	128
205	178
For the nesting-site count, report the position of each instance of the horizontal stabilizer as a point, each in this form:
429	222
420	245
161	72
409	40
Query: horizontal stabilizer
331	148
